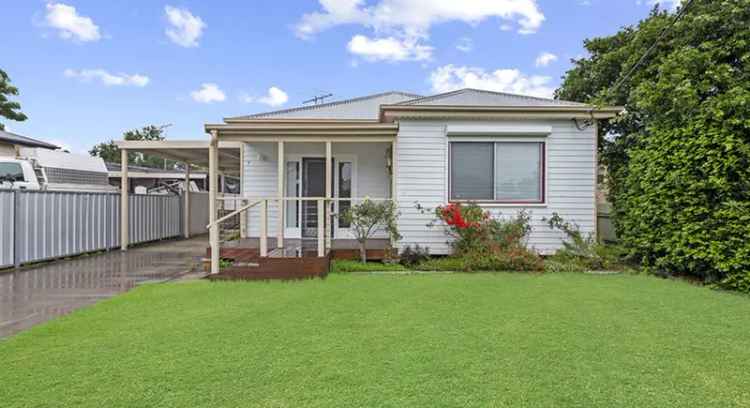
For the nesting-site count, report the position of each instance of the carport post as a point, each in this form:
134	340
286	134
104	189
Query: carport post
186	191
124	199
213	170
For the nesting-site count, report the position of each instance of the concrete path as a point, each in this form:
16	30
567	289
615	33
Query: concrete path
32	295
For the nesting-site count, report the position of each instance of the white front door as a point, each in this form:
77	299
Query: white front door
305	177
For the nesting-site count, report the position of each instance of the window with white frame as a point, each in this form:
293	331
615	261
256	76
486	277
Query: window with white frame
497	171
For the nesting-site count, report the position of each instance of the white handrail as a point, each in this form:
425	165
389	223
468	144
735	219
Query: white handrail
233	213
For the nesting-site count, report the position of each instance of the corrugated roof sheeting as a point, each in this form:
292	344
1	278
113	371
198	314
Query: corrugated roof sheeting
479	97
363	108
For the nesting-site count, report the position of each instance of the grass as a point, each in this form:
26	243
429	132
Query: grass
392	341
341	266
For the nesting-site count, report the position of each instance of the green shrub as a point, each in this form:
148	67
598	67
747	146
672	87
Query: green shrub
582	252
516	258
344	266
679	159
411	257
449	263
484	243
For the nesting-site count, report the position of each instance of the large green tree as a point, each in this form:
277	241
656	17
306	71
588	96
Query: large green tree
679	158
9	109
111	153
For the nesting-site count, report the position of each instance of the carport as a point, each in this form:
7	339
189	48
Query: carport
225	159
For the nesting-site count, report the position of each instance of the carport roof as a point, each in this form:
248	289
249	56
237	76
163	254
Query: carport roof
194	152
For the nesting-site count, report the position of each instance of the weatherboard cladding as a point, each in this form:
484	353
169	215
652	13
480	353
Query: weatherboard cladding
422	179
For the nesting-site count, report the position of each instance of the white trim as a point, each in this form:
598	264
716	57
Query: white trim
346	158
496	130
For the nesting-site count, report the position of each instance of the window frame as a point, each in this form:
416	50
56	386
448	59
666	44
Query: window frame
494	142
20	172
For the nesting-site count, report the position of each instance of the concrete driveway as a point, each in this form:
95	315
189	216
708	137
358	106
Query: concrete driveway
32	295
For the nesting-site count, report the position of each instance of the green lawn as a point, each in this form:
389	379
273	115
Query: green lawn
391	340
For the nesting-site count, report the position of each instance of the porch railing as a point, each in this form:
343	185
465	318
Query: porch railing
324	211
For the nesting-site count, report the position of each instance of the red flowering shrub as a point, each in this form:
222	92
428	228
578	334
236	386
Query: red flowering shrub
486	243
467	224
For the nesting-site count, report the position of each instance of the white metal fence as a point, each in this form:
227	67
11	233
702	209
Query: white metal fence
42	225
199	213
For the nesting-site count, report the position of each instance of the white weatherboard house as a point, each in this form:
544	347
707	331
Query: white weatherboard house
506	152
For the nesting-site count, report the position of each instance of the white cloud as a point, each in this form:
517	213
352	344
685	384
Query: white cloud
208	93
275	97
106	78
465	44
185	28
667	4
71	25
544	59
413	18
388	49
449	78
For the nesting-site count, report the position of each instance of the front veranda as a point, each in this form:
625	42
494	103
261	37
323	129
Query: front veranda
292	176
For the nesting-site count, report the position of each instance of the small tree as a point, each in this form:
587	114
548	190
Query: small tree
109	152
368	217
9	109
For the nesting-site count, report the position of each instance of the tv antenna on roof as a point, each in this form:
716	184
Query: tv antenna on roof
317	99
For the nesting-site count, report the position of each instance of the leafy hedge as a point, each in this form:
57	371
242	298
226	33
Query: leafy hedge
680	164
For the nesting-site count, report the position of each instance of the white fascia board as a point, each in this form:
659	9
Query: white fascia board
481	129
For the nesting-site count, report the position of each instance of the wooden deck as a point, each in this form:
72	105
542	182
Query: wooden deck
247	264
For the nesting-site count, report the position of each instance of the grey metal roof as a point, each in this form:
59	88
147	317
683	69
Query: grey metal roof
368	107
480	97
13	138
361	108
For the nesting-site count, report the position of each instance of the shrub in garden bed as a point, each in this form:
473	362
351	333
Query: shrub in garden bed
411	257
448	263
484	243
582	252
344	266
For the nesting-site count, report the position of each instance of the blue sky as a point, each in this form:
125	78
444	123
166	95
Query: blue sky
89	70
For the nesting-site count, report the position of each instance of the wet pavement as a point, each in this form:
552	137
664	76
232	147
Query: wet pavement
32	295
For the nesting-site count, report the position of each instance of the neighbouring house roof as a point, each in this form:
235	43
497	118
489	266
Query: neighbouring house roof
361	108
480	97
16	139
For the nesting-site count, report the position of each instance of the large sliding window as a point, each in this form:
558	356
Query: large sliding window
503	172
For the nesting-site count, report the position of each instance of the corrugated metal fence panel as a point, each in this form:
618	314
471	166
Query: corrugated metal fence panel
154	217
7	221
54	224
198	213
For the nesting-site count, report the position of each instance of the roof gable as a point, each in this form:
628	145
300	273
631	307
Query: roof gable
480	97
362	108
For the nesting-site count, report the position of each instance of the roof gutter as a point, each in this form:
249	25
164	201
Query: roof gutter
391	113
305	128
